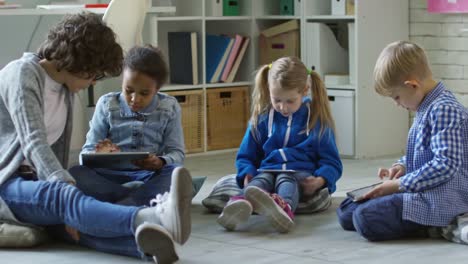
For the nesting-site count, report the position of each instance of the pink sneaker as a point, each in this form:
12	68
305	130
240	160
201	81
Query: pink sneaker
284	205
272	206
236	212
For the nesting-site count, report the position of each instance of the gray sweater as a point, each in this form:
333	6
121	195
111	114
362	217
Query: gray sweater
22	128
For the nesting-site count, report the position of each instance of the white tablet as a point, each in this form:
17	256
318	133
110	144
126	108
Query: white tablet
112	160
358	193
276	171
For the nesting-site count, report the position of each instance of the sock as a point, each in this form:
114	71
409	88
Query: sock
146	214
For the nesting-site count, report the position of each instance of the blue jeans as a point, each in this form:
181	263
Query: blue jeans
106	185
378	219
284	184
103	226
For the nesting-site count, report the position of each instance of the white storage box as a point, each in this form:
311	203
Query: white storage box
342	108
338	7
336	79
323	53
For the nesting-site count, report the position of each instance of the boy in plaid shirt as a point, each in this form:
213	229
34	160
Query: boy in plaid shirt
428	186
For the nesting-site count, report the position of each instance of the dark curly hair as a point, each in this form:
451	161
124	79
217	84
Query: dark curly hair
83	44
148	60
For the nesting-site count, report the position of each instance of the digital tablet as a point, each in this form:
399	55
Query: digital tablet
358	193
275	171
113	160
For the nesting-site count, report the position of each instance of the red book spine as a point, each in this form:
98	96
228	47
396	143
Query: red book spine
96	5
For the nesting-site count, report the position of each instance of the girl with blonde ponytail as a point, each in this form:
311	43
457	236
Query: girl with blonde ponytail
288	151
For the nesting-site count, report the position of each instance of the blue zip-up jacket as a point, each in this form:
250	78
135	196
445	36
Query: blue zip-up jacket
283	143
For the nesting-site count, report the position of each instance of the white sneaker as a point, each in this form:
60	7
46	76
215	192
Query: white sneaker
173	208
154	240
18	236
236	212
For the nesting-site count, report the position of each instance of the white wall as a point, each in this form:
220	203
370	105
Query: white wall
446	45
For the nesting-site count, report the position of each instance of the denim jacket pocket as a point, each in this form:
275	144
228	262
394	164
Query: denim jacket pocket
154	134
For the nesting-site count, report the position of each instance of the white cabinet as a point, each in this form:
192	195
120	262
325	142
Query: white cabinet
373	125
368	125
342	108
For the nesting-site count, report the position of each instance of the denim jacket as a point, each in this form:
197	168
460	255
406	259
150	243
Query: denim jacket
156	129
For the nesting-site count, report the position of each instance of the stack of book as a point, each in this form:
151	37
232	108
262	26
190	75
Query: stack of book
223	56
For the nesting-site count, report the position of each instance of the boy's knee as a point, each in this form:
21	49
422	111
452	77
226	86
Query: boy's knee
345	220
364	224
345	214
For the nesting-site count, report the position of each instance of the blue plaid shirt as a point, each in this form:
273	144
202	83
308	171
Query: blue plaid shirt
436	183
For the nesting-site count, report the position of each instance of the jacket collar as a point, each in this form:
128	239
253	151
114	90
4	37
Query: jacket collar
125	110
430	97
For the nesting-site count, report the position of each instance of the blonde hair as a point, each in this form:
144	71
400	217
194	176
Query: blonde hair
398	62
290	73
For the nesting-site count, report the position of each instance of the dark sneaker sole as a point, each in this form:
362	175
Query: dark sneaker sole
234	214
182	185
154	240
263	204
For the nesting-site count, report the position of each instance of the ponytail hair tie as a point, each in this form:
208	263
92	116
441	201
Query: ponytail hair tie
269	66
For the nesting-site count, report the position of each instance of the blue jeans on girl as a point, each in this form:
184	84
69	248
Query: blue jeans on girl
285	185
106	185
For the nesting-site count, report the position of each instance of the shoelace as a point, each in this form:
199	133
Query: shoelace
159	202
279	200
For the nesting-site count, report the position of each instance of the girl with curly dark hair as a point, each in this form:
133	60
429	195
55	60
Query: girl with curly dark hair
36	97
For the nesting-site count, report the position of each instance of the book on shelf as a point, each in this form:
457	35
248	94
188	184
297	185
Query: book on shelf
216	48
222	63
4	5
232	56
237	62
9	6
71	6
183	57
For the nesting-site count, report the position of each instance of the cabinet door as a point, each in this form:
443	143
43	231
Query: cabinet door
342	108
227	116
191	104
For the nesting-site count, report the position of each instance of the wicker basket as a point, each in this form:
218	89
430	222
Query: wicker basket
191	103
227	116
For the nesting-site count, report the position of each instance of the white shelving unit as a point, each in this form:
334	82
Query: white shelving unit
63	11
368	125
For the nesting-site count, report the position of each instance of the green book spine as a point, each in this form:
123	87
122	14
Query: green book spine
230	7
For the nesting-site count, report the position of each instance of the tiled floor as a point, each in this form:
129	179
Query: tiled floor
316	239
